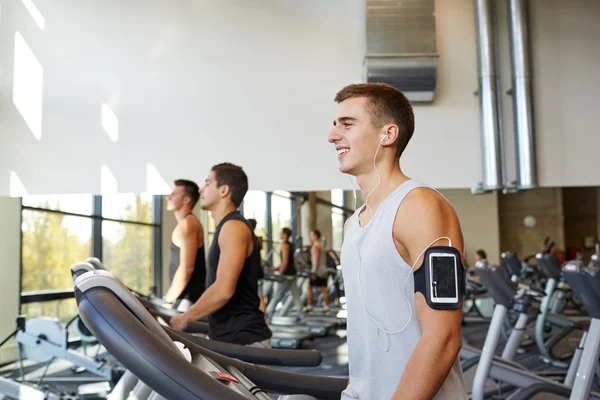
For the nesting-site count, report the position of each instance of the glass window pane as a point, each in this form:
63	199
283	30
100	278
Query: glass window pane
276	251
52	243
255	206
281	214
73	203
64	310
280	218
127	253
128	207
337	229
337	197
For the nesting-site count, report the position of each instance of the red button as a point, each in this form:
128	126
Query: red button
227	377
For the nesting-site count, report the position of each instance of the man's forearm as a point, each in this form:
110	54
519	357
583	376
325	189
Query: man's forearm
210	301
282	268
427	369
180	280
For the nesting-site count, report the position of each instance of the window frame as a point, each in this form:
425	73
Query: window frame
39	296
342	210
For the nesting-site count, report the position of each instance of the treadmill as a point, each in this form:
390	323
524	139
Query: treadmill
283	320
172	366
489	366
280	339
336	317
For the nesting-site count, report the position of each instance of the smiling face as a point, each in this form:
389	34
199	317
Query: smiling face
354	136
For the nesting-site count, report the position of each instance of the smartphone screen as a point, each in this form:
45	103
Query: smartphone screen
443	278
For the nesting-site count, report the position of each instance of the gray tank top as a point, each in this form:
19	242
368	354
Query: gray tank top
321	269
377	359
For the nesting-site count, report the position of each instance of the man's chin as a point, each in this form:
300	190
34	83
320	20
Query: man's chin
345	169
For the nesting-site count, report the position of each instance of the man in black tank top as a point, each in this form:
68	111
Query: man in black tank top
187	263
287	267
230	300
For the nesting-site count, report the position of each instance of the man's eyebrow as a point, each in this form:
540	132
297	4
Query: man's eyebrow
344	119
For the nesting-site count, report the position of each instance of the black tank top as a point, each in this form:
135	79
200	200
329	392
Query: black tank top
239	321
291	268
196	285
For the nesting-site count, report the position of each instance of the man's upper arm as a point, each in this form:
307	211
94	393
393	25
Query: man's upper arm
189	233
233	242
426	216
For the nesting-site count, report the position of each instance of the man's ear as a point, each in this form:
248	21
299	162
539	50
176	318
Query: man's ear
224	190
393	132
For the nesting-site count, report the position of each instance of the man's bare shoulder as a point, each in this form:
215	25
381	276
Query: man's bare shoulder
425	204
425	212
189	226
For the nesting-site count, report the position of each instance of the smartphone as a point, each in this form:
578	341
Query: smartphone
443	282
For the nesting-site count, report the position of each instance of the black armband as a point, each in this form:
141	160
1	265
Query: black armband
441	278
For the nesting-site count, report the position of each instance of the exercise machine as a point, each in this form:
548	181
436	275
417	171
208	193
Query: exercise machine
129	386
173	371
288	332
13	389
586	282
551	326
502	370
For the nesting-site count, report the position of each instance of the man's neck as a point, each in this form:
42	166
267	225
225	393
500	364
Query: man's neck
220	211
391	177
182	213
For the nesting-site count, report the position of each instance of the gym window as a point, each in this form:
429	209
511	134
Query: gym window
255	206
281	215
338	217
123	230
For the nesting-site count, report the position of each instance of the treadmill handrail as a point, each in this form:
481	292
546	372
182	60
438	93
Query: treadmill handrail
197	327
139	349
255	355
269	276
271	379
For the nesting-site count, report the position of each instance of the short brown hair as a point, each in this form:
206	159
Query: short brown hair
234	177
385	104
190	189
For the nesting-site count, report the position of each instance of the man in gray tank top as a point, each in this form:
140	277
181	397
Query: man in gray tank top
398	347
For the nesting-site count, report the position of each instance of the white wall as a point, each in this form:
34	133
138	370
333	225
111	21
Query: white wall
478	217
10	256
566	86
192	84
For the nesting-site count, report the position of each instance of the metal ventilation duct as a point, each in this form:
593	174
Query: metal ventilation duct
401	46
522	95
491	115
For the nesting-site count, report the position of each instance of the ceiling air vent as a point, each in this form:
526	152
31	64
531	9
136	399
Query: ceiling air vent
401	46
